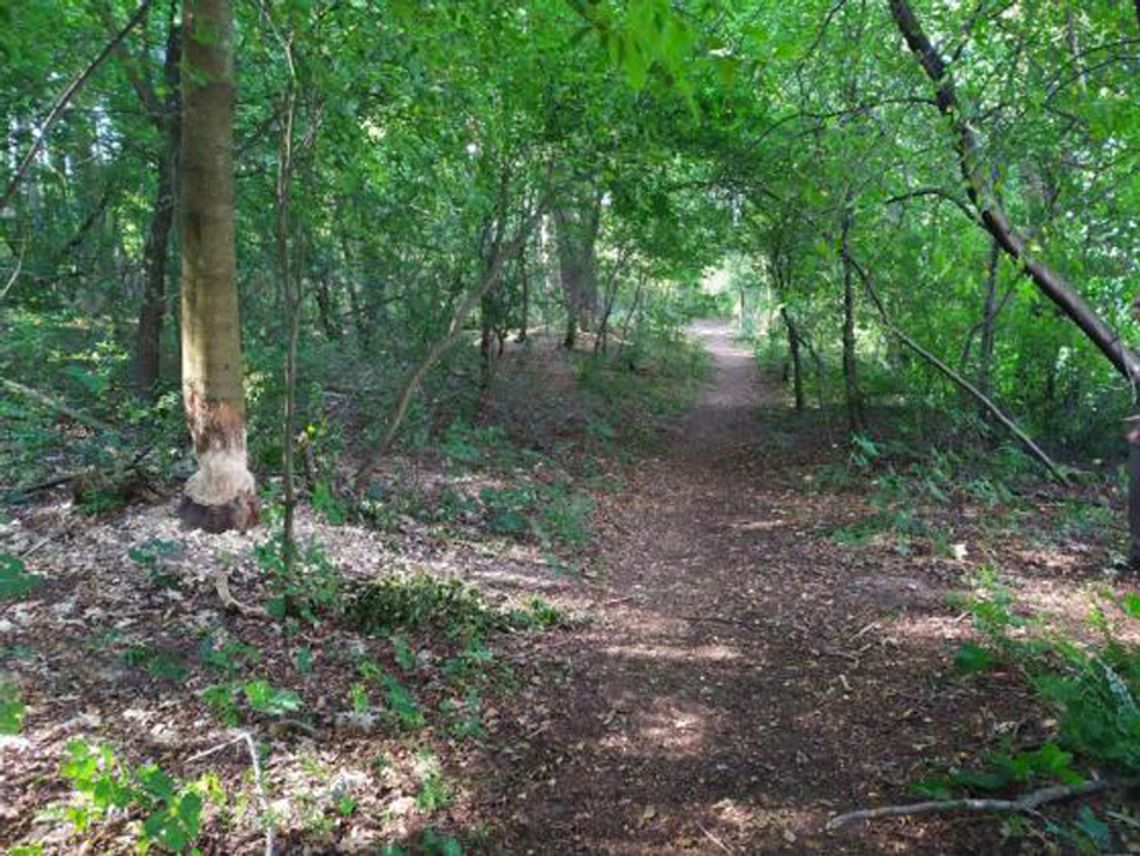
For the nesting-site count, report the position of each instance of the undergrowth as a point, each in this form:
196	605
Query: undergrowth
1091	689
458	610
919	493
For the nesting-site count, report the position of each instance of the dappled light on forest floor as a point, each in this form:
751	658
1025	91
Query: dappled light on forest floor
742	657
620	426
665	652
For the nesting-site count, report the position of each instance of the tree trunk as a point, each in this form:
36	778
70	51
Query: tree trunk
568	270
576	237
850	366
486	334
524	278
989	317
220	495
153	309
326	310
1134	489
290	288
794	351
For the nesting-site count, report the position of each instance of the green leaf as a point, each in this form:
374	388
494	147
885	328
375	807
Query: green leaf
1094	828
304	661
973	658
265	698
11	709
1130	603
15	581
405	656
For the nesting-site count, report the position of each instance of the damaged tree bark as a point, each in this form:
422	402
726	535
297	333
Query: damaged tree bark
220	495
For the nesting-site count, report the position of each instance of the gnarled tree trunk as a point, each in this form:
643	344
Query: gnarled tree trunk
220	495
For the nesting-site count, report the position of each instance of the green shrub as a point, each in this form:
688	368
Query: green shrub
172	811
421	601
15	581
308	590
1093	689
11	708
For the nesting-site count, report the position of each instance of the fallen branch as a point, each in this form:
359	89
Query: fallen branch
450	338
259	787
43	542
48	484
1027	804
866	629
720	619
714	839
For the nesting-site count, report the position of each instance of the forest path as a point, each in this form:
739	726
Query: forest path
741	679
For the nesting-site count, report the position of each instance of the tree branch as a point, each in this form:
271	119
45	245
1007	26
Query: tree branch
57	405
982	195
441	346
941	194
1025	805
65	97
1035	450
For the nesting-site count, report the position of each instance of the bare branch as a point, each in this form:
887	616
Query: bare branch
1035	450
1027	804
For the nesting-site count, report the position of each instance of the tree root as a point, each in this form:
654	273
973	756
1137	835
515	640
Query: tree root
1027	804
222	586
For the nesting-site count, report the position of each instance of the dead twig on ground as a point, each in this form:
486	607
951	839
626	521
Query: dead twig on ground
836	652
37	546
714	839
720	619
258	780
1027	804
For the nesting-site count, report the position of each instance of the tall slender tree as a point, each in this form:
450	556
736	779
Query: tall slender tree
220	495
166	116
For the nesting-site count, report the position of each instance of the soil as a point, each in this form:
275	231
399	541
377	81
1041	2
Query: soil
738	676
744	677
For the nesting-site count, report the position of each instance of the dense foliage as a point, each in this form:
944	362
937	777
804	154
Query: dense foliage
793	141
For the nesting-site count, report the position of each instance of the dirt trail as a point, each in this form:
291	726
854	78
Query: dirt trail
744	677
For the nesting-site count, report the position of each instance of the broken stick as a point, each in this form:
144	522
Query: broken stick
1027	804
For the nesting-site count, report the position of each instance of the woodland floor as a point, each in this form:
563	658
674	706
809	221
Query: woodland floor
744	677
737	675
